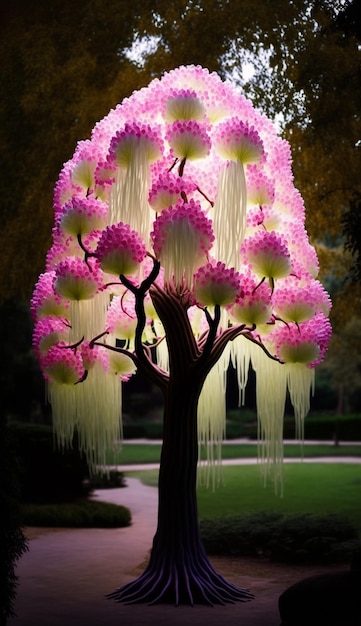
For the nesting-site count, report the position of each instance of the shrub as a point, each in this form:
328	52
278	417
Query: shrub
86	514
48	474
304	538
111	480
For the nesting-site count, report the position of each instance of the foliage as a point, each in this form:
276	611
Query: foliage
109	480
12	541
47	474
86	514
304	538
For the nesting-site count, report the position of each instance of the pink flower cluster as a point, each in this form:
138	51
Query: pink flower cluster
253	304
238	141
81	215
267	254
63	366
188	139
304	343
45	301
260	188
135	137
183	104
172	223
77	280
120	250
298	301
216	284
167	189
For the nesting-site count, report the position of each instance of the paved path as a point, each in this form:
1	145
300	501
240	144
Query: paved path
64	577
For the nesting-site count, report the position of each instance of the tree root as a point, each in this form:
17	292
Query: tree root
171	583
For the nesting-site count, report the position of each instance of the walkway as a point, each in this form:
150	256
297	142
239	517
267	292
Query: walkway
66	574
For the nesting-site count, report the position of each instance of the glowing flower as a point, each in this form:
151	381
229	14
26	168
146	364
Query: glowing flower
253	304
260	188
267	254
188	139
305	343
77	280
120	250
63	365
120	364
297	301
121	318
183	104
237	141
215	284
133	139
82	215
182	238
45	301
48	331
166	190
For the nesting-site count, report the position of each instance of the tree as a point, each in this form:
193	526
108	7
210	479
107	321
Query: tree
179	245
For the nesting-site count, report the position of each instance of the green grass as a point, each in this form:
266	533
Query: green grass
131	454
308	488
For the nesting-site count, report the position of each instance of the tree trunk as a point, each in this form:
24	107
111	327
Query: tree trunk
179	571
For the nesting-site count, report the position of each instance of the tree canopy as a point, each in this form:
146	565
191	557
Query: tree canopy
66	65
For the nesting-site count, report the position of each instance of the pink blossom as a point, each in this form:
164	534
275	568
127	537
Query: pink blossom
77	280
237	141
135	138
298	300
120	250
260	188
188	139
166	190
48	331
183	104
45	301
182	238
82	215
253	303
121	318
303	343
63	365
216	284
267	254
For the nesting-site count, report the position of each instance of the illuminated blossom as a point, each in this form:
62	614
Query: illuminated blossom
135	138
48	331
215	284
182	238
183	104
120	250
260	188
303	343
237	141
63	365
267	254
188	139
77	280
253	303
297	301
45	301
82	215
166	190
121	318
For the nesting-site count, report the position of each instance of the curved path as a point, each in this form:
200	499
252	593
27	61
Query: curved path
65	575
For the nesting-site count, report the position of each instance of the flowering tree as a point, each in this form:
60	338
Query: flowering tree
179	246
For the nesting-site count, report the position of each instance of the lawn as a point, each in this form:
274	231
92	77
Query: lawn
150	453
308	488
